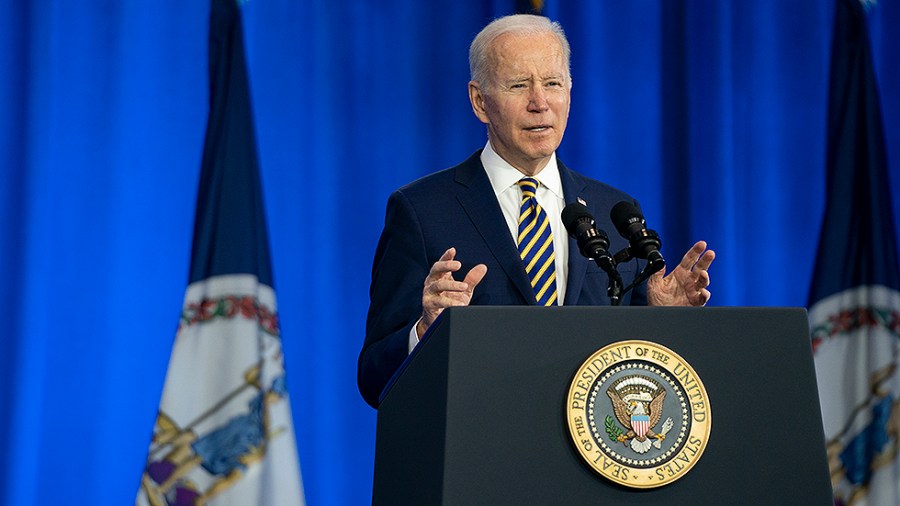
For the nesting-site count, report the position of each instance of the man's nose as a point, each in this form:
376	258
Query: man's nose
537	101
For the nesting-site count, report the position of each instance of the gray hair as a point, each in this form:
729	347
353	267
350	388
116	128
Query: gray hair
522	24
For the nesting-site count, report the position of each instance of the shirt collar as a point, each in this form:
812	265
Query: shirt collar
503	175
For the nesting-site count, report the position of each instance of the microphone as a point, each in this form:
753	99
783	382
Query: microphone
594	244
643	243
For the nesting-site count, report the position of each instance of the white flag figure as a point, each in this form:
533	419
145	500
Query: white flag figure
854	299
224	433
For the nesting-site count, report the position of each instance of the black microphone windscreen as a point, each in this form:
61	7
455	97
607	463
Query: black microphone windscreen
572	213
623	215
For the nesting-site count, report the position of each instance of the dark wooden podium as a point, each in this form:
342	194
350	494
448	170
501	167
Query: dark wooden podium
477	413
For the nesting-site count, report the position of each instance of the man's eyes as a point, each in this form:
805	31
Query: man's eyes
549	84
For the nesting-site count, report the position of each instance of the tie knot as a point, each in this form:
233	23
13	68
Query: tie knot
529	187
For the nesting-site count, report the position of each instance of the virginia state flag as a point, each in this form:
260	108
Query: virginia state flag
224	433
854	299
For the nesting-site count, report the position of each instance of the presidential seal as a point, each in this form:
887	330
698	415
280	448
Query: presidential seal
638	414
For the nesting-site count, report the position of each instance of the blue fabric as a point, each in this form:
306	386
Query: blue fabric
712	114
868	444
230	226
857	245
222	449
230	235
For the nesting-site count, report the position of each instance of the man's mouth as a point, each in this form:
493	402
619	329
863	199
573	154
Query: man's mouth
538	128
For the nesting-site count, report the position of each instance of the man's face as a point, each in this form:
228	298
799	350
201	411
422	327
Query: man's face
526	104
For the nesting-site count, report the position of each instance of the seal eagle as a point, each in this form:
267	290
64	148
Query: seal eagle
638	412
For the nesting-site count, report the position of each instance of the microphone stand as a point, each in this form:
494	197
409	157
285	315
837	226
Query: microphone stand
614	290
653	266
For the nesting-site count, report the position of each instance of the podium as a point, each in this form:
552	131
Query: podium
477	414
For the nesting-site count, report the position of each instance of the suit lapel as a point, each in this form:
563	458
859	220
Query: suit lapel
573	185
480	204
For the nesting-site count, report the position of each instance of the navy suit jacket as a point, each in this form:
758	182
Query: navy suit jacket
456	207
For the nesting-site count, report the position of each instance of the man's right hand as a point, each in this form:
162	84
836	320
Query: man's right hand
442	291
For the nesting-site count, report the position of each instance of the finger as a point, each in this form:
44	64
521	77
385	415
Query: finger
444	261
700	280
458	298
442	268
706	260
460	290
475	275
690	258
447	285
703	297
438	302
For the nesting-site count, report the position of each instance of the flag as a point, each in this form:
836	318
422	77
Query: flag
224	433
854	300
529	6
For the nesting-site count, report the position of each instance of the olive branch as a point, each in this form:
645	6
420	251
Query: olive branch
612	429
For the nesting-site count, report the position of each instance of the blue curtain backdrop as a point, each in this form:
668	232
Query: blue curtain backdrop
712	113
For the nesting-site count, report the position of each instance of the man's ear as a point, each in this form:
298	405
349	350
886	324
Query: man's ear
476	97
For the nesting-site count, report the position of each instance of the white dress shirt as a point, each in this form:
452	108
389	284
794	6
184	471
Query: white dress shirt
504	177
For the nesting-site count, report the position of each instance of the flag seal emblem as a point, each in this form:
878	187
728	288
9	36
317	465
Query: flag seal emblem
638	414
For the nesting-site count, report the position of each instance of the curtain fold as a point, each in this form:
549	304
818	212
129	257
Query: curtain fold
712	114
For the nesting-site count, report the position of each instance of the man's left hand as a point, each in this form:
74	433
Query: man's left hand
686	284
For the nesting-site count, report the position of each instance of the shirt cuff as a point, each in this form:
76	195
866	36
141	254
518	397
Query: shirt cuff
413	337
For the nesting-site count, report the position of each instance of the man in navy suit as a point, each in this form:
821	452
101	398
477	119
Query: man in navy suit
465	219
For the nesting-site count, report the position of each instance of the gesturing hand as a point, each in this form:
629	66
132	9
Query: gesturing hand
442	291
686	284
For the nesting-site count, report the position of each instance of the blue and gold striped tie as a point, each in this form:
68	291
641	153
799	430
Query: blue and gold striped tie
535	242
